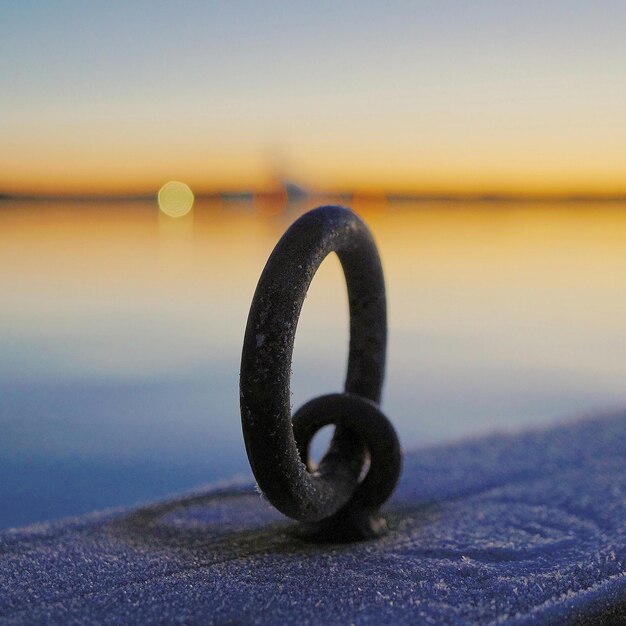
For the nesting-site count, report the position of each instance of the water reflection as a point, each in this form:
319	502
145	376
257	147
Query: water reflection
121	330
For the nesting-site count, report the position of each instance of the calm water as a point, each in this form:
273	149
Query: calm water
121	329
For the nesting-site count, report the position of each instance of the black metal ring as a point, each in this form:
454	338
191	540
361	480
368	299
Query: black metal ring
267	354
364	420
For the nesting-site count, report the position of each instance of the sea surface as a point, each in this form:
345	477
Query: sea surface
121	332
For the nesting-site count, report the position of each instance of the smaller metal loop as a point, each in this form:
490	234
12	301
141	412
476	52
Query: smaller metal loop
357	419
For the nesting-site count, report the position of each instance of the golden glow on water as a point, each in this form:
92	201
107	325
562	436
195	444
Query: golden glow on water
175	199
476	245
495	311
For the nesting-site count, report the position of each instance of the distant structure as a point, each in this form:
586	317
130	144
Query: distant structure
295	192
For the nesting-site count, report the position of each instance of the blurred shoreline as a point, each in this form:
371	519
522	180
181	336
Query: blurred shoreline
289	194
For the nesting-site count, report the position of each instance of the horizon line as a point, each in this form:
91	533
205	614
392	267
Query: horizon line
301	195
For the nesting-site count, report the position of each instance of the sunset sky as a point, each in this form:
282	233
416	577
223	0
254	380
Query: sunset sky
437	97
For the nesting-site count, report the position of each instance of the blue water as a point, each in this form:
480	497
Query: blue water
121	335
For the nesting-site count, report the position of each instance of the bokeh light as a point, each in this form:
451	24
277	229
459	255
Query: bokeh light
175	199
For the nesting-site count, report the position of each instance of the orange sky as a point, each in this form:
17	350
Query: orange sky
96	164
402	98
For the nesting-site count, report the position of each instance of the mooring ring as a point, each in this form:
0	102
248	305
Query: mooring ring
364	420
267	355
